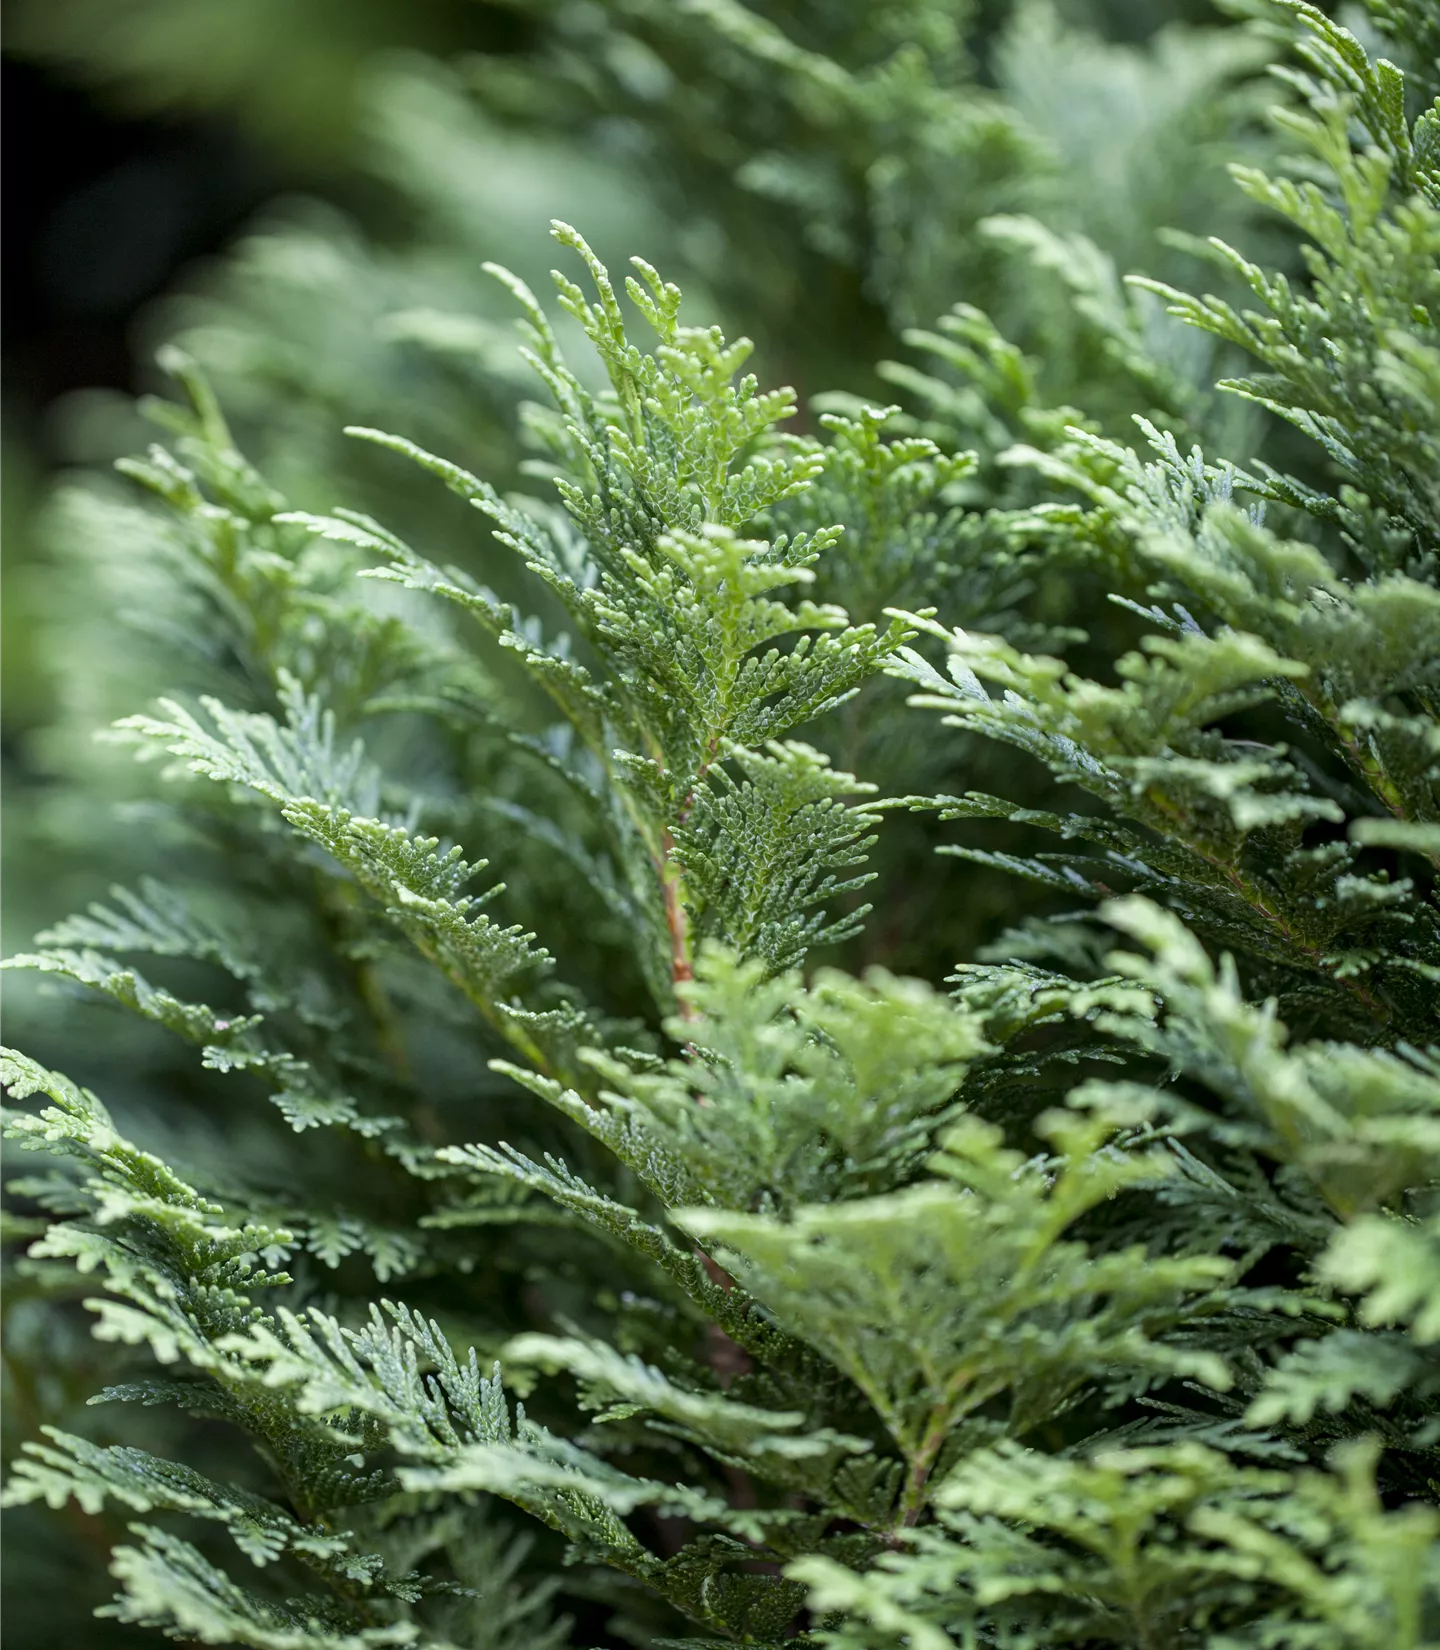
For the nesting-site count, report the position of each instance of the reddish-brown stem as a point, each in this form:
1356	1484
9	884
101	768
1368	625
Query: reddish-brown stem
677	921
912	1500
671	873
727	1357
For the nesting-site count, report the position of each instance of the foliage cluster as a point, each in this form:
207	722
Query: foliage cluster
663	1247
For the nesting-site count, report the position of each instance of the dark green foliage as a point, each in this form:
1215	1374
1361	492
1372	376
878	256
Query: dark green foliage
789	1298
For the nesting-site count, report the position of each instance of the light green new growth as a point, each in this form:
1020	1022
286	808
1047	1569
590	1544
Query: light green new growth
788	1297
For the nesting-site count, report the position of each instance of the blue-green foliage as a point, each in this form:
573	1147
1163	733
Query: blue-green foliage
1095	1301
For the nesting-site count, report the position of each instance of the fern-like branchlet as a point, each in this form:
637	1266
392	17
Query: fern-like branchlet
1088	1295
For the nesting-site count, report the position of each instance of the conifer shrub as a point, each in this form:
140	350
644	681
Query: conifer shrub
652	1259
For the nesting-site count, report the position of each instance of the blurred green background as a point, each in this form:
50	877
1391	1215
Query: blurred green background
303	192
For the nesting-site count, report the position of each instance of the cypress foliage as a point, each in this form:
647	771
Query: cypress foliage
644	1228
